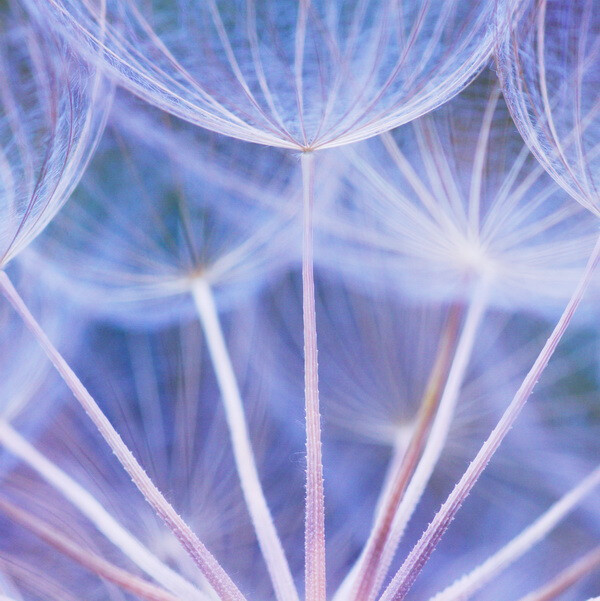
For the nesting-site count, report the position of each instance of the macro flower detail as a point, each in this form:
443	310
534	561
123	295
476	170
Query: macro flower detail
52	112
309	74
321	277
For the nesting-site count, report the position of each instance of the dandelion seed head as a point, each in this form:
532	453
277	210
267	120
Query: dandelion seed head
453	198
52	112
549	64
442	247
296	75
204	221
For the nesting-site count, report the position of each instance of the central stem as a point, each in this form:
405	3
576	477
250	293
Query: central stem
314	533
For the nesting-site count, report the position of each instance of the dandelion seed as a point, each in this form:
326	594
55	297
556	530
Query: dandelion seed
298	75
345	73
52	112
173	228
548	66
455	197
200	244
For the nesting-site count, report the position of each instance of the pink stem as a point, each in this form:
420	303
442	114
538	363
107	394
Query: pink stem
421	552
314	540
567	578
104	569
208	565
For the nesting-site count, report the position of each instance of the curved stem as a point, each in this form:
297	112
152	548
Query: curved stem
262	520
418	557
369	568
86	558
567	578
469	584
208	565
438	434
314	528
90	507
